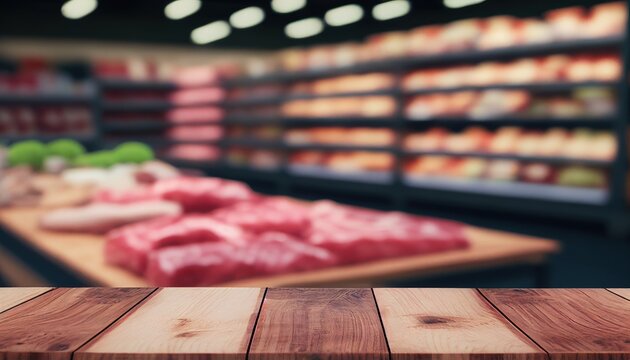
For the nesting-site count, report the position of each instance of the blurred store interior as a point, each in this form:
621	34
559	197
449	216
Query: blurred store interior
314	143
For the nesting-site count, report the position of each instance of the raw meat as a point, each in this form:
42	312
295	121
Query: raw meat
357	235
129	246
270	214
193	194
213	263
101	217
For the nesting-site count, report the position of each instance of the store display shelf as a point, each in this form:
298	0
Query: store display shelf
250	120
137	105
524	158
533	87
46	99
87	138
391	91
253	142
128	84
156	141
140	125
349	122
512	189
455	122
253	101
411	62
321	172
340	147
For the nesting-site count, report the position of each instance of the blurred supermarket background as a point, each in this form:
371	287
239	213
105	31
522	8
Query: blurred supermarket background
194	142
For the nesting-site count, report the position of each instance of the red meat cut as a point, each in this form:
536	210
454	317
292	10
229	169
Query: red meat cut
278	214
214	263
129	246
357	235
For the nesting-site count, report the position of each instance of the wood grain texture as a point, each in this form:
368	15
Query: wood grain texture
449	324
569	323
84	254
58	322
10	297
182	323
622	292
319	324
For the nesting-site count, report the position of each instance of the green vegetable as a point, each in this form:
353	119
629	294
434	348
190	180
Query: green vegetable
68	149
133	152
29	152
101	159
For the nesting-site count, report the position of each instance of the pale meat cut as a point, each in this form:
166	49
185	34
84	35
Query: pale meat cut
214	263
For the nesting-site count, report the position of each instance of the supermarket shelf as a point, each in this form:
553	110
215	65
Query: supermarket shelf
46	99
391	91
44	138
340	147
252	142
349	122
136	125
250	120
253	101
510	189
325	173
156	141
600	123
544	159
582	45
534	87
126	84
137	105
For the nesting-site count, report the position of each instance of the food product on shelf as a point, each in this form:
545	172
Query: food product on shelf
503	170
195	152
500	31
606	19
538	173
534	31
566	23
581	176
579	143
196	96
195	133
64	120
341	136
364	106
359	161
425	40
195	114
101	217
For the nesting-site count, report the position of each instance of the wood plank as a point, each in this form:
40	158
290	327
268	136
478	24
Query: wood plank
319	324
622	292
449	324
83	254
58	322
10	297
569	323
182	323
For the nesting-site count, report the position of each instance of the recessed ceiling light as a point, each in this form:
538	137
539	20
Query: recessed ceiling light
455	4
214	31
76	9
344	15
287	6
391	9
304	28
180	9
248	17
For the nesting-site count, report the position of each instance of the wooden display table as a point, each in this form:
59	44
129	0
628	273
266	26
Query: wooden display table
276	323
79	258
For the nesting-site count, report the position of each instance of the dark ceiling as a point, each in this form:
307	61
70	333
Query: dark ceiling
144	20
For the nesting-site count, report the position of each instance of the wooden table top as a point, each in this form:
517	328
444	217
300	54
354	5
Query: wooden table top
83	253
322	323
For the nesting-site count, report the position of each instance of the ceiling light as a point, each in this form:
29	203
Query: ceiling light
287	6
391	9
304	28
76	9
179	9
247	17
214	31
454	4
344	15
